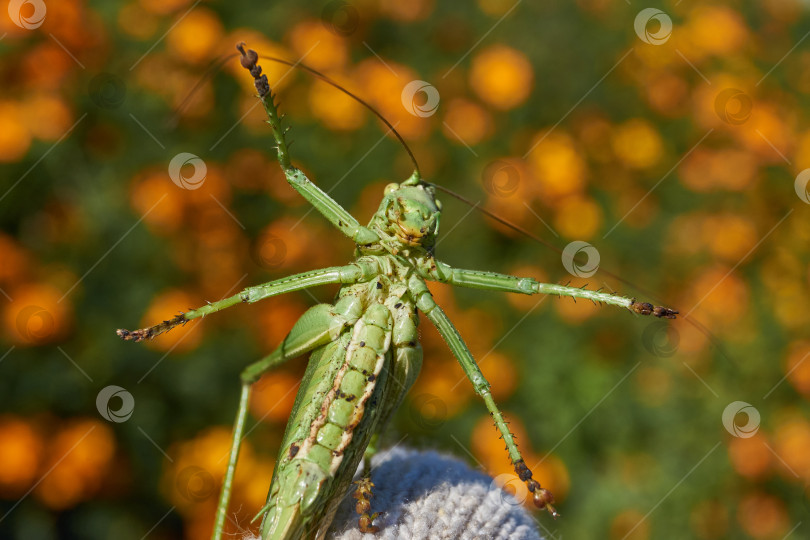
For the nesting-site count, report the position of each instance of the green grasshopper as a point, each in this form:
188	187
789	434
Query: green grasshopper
364	349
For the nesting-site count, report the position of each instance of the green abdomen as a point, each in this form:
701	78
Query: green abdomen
332	420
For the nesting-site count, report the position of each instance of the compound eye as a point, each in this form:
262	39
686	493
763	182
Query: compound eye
391	188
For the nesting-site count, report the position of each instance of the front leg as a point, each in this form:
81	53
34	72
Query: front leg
321	201
493	281
350	273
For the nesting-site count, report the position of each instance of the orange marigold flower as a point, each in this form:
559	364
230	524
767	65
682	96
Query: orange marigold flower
501	76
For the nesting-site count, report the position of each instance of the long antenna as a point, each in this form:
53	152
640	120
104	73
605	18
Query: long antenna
217	64
517	228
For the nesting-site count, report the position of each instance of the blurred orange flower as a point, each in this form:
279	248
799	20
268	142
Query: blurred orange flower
763	515
501	76
21	451
273	396
577	217
38	315
196	36
667	93
728	236
337	110
383	86
797	367
79	457
637	144
193	479
466	122
510	190
16	261
557	165
316	46
48	117
715	29
721	295
709	170
791	441
750	457
161	203
15	137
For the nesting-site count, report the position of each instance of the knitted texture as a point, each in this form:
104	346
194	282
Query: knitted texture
426	495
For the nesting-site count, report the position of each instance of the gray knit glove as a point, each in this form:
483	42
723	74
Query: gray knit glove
426	495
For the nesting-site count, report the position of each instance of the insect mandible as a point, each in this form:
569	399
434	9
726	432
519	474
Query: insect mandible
364	352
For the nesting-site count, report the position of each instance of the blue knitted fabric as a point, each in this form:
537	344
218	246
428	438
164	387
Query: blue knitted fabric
427	495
